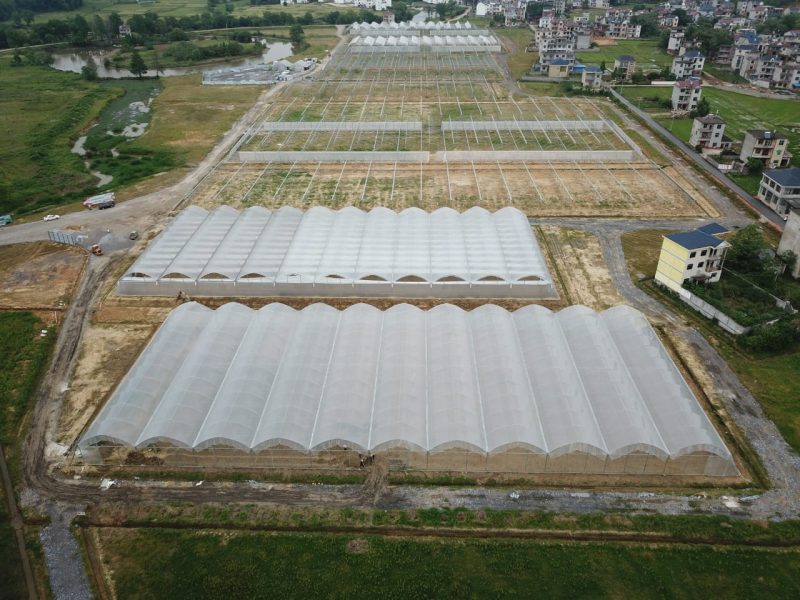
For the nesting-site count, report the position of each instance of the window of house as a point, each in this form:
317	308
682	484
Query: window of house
703	253
700	264
690	266
693	254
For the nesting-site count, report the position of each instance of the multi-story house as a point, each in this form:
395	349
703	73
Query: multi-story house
770	147
592	78
626	65
780	190
686	94
708	133
555	46
689	64
787	76
676	41
692	256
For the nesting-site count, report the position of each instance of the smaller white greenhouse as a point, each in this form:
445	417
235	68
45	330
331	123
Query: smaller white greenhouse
441	390
380	253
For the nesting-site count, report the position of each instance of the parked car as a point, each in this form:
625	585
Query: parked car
52	217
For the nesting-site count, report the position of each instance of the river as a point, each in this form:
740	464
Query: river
73	61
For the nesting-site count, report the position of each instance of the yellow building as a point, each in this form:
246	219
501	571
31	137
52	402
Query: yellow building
692	255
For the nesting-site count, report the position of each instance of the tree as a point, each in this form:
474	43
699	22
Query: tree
137	67
649	23
754	166
114	23
297	35
533	10
89	70
401	12
683	17
703	108
745	254
710	39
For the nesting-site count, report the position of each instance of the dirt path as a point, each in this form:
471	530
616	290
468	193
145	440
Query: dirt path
18	526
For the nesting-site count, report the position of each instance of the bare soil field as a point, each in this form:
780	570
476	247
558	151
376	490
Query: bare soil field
576	261
538	189
106	353
39	275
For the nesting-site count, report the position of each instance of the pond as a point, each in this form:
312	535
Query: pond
73	61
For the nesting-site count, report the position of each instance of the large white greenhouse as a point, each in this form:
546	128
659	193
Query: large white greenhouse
380	253
441	390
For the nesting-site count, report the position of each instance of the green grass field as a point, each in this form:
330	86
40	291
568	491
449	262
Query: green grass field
224	564
42	112
519	61
741	112
771	379
23	355
645	51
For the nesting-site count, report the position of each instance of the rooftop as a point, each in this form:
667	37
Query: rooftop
692	240
713	229
786	177
485	380
764	134
711	119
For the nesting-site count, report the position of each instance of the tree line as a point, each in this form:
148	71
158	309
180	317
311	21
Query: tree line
25	9
149	27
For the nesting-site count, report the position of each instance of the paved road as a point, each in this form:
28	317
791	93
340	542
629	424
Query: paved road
756	205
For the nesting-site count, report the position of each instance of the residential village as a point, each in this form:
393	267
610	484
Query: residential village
755	60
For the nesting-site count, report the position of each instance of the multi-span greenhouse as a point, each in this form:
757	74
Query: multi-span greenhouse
380	253
530	391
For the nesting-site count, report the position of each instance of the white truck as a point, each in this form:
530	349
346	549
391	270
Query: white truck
101	201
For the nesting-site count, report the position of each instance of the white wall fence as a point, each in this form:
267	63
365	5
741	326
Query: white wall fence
623	136
523	125
289	156
421	48
533	155
709	311
370	289
378	126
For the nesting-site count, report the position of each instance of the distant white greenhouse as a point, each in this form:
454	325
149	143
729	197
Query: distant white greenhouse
380	253
487	390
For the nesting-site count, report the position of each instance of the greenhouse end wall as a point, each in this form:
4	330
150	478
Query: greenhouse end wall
453	462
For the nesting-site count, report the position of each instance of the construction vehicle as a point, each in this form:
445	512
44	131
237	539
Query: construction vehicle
96	250
101	201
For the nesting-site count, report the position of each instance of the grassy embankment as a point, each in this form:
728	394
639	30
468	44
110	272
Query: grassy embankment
516	39
740	111
44	111
214	564
23	356
771	379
